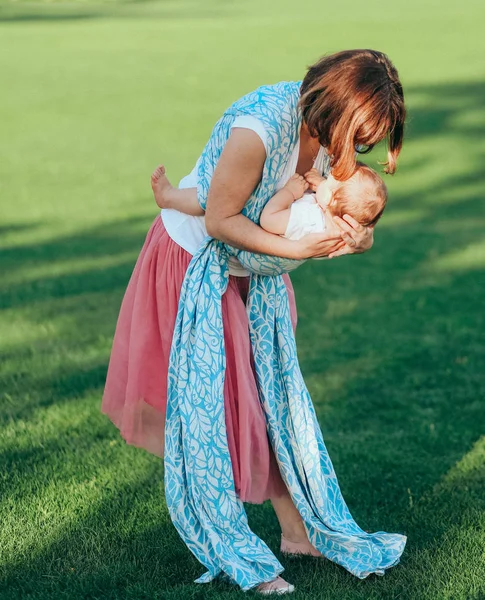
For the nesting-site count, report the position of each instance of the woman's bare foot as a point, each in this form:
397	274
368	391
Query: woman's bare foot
276	586
161	186
291	547
294	538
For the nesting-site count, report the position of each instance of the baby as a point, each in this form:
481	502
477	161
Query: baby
294	212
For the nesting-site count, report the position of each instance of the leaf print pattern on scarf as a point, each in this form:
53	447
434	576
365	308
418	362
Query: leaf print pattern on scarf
199	485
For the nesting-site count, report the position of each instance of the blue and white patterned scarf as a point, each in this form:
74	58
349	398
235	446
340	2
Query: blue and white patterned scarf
198	476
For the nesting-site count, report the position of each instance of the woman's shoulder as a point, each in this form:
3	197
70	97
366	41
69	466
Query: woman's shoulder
265	99
275	106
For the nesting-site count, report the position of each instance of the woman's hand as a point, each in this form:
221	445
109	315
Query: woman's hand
356	237
318	245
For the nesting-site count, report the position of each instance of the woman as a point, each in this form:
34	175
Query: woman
221	397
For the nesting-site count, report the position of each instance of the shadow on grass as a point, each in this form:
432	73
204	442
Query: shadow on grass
15	228
123	545
65	12
396	378
442	108
90	551
107	240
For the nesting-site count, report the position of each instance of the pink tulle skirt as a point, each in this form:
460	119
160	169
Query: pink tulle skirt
135	395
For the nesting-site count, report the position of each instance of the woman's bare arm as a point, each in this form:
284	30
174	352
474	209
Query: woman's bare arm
235	177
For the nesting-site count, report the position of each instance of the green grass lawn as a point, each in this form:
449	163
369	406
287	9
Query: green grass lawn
391	343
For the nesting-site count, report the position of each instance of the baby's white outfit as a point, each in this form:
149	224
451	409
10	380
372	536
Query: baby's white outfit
306	216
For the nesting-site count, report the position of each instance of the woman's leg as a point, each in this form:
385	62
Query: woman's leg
289	518
291	523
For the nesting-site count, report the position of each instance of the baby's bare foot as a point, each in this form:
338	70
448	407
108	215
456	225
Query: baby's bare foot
161	186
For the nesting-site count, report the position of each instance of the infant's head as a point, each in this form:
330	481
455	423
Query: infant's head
363	196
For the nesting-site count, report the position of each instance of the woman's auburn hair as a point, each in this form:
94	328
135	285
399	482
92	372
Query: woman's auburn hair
352	99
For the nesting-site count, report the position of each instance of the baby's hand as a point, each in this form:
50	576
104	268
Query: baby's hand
297	186
313	179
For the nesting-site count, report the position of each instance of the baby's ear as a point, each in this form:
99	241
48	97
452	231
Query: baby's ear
324	194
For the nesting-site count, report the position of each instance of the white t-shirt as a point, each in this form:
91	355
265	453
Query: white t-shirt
189	231
306	216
